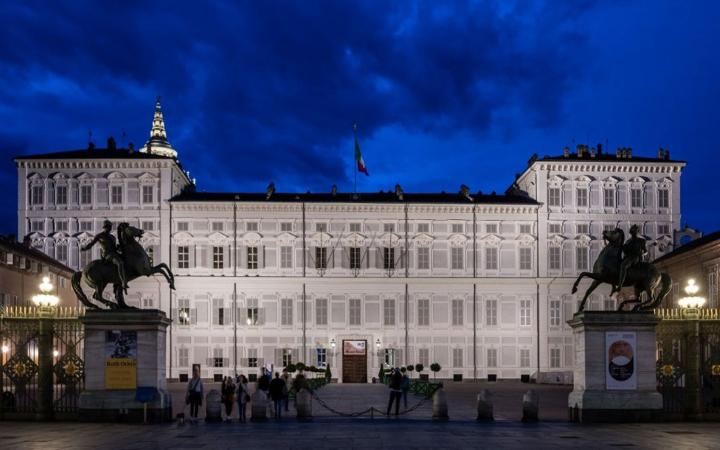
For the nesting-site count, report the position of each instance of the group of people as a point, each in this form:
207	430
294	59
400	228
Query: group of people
399	386
236	390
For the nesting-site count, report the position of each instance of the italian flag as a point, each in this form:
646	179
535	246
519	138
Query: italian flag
359	159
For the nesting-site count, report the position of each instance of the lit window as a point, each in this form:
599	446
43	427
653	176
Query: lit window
183	257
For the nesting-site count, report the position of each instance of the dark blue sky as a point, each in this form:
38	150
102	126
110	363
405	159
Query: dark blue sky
444	93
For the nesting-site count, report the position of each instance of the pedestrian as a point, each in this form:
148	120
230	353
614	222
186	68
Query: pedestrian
228	396
194	394
277	393
405	385
395	391
288	385
243	397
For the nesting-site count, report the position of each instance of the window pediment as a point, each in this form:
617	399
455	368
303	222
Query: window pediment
583	239
147	177
556	180
525	239
354	240
611	181
182	238
83	176
584	179
218	238
35	177
492	239
388	240
557	240
149	238
423	240
252	238
286	237
458	240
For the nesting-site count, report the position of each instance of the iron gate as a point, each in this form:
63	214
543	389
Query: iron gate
41	365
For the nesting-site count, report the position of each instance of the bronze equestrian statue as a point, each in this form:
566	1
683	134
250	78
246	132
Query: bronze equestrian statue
118	265
611	268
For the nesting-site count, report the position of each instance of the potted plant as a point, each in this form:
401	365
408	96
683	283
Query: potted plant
410	368
419	368
291	368
300	367
435	367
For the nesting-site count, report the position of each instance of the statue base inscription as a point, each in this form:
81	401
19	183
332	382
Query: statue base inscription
615	359
125	378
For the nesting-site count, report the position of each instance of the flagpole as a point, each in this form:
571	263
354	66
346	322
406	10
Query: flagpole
355	168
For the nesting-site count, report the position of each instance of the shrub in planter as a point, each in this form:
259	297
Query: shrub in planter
291	368
301	367
403	369
419	368
410	368
435	367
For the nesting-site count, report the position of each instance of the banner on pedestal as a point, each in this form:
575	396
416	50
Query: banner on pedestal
620	360
121	359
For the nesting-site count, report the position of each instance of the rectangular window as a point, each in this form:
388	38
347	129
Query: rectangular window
286	226
355	257
492	357
321	257
116	195
388	258
554	313
491	313
663	198
61	195
184	311
85	258
217	226
609	198
183	357
456	257
85	194
423	228
424	357
355	227
252	357
36	195
183	257
581	254
663	228
636	198
491	258
251	226
457	228
147	225
525	258
61	225
320	357
389	357
457	357
389	227
525	229
525	313
582	197
524	358
183	226
252	258
554	258
555	358
608	227
286	257
582	228
389	312
287	357
321	310
423	258
423	312
39	225
286	311
147	194
218	257
62	253
491	228
554	228
218	360
321	227
354	312
554	197
457	312
253	312
219	312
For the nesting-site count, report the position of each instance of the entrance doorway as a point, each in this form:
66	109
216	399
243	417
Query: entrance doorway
354	361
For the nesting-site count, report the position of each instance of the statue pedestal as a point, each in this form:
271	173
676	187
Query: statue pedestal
615	363
125	367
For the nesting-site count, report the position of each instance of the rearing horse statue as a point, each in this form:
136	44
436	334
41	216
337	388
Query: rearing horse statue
98	274
643	276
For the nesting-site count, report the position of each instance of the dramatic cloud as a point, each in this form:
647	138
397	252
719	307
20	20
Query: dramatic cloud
261	91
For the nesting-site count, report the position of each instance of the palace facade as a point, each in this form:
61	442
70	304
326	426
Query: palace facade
479	283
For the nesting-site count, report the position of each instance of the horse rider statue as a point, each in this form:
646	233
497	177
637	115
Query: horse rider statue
109	251
634	251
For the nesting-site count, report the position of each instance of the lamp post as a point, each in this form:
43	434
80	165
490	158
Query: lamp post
691	305
46	303
332	351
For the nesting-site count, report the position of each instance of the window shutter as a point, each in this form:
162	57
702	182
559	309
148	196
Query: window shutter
242	250
261	316
193	316
261	256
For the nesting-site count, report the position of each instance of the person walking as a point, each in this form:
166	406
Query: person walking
228	396
395	391
194	394
405	385
277	394
243	398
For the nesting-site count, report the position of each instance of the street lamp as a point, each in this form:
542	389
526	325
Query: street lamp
691	303
46	302
377	343
332	343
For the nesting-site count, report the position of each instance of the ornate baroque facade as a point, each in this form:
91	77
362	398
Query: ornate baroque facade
479	283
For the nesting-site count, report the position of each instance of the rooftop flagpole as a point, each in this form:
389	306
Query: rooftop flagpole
355	168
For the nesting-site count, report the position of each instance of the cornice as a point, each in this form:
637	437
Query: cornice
610	167
243	207
76	164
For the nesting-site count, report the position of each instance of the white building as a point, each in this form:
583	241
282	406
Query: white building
479	283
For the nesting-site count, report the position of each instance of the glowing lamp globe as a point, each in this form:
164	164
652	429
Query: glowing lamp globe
691	301
45	300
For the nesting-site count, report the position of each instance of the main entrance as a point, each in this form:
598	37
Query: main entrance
354	361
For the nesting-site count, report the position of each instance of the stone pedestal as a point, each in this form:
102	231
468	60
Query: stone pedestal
147	398
608	387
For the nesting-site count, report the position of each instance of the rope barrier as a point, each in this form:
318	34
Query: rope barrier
372	410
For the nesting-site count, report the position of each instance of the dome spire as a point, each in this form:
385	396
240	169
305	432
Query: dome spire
158	143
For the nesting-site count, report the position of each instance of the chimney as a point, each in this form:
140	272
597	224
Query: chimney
91	145
579	150
111	143
667	154
399	192
566	152
271	191
629	152
618	152
131	147
593	151
599	149
465	192
333	190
